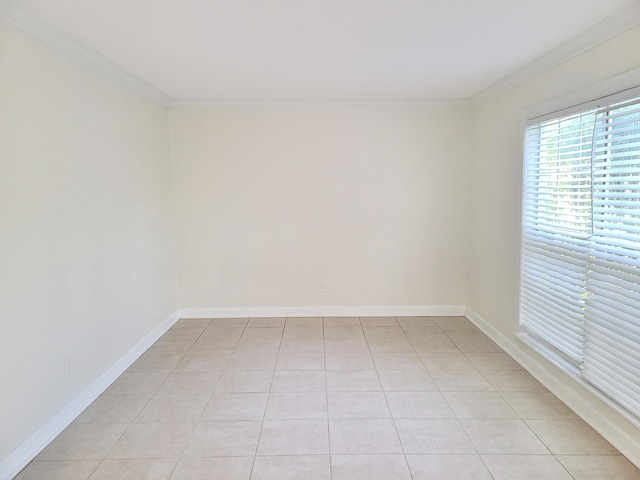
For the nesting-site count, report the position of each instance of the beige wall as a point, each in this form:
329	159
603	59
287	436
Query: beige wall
495	208
86	267
271	203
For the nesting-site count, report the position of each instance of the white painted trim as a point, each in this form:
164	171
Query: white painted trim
581	399
602	31
585	97
11	465
75	48
608	28
373	311
325	105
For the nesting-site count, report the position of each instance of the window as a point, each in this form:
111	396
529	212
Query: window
580	253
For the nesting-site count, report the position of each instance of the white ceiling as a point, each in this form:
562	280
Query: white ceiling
229	51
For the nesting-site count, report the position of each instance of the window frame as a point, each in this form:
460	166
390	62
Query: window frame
619	88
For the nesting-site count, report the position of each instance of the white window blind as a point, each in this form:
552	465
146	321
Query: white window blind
580	258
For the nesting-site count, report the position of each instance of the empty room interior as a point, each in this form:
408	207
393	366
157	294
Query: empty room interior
348	239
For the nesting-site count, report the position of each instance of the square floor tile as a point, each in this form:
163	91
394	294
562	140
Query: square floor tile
183	333
461	381
303	333
296	406
416	321
267	322
137	383
470	333
153	440
203	362
383	332
235	406
357	405
113	409
216	331
189	383
379	322
359	436
192	322
407	381
266	332
353	381
433	436
252	361
166	347
390	345
213	333
474	344
433	344
454	322
294	437
446	361
173	408
525	467
343	332
599	467
58	470
479	405
149	362
538	406
513	381
229	322
219	439
349	361
397	361
298	381
297	467
212	345
83	442
418	405
422	331
258	345
341	321
369	467
449	467
223	468
244	382
345	345
488	362
503	437
303	322
570	437
135	469
300	361
310	345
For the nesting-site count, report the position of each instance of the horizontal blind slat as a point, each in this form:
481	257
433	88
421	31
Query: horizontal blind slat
580	250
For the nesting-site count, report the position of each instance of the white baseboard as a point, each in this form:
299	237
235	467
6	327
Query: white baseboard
358	311
589	404
11	465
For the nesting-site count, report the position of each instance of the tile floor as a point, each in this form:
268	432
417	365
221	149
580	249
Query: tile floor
335	398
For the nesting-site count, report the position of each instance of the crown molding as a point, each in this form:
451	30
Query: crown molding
593	36
323	105
75	48
608	28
